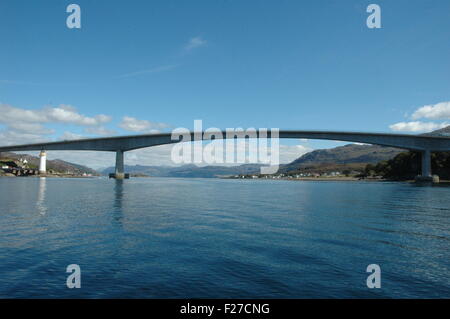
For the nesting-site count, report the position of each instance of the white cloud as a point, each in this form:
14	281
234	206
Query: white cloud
161	155
68	114
101	130
134	125
35	128
156	155
439	111
27	126
12	114
195	42
70	136
289	153
61	114
10	137
417	126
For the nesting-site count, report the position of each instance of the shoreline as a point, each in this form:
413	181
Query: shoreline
50	176
338	179
312	179
302	179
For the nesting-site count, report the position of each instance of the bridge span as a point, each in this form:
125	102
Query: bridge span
121	144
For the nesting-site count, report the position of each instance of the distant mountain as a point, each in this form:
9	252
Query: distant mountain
188	170
441	132
406	166
350	156
57	165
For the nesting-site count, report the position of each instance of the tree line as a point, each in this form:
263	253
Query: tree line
407	165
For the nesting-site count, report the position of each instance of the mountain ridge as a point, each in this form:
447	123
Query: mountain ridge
56	165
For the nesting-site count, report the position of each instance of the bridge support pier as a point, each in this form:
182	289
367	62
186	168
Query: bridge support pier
119	171
426	169
42	163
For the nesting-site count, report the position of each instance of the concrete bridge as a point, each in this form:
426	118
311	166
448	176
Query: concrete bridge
121	144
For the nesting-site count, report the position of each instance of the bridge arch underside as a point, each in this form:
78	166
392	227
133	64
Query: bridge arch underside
121	144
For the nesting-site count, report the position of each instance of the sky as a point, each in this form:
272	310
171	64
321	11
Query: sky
146	66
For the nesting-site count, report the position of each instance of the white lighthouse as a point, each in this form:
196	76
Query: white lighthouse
42	162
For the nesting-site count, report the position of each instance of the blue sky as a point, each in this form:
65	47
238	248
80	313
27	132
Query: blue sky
162	64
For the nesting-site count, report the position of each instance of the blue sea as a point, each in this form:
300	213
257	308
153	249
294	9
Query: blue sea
220	238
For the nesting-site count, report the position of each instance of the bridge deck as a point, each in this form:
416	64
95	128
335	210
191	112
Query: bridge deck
127	143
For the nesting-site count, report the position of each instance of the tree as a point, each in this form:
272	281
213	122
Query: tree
407	165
